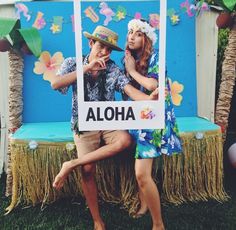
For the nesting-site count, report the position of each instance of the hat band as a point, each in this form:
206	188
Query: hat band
105	38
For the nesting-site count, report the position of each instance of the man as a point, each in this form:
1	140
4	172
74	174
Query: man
101	78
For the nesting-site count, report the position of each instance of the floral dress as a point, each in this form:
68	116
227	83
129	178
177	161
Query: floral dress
155	142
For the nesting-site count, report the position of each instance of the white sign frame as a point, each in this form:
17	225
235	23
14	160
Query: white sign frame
105	109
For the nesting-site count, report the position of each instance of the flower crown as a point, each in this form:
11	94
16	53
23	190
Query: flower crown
144	27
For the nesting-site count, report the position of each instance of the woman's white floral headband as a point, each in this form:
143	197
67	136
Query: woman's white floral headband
136	24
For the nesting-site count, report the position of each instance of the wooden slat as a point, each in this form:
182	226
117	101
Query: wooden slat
206	58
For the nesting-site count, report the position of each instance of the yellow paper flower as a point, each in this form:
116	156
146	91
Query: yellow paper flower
120	15
55	28
175	19
47	65
176	89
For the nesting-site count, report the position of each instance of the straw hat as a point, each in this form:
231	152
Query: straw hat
105	36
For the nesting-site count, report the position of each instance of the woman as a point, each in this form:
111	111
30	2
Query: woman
141	65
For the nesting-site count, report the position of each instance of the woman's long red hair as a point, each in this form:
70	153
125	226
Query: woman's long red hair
142	62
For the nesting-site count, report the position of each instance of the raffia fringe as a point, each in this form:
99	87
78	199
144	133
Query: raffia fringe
195	175
34	171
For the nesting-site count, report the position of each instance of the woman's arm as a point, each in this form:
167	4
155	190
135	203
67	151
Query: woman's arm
137	95
148	83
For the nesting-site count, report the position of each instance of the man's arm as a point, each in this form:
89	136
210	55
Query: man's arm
64	80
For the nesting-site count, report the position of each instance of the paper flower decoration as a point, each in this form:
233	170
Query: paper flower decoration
57	24
147	113
70	146
47	65
90	13
137	15
185	6
201	7
33	144
170	12
154	20
120	14
138	25
22	8
176	89
107	12
174	19
199	135
55	28
39	22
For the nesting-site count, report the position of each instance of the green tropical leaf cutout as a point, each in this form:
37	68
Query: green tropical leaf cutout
230	4
33	40
8	27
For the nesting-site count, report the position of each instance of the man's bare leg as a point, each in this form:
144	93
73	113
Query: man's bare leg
91	194
122	142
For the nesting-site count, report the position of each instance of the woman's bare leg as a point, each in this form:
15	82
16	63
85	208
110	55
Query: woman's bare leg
143	170
143	206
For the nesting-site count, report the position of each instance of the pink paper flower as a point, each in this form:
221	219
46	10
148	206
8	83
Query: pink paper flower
47	65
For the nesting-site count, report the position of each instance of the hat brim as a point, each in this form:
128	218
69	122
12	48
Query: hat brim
90	36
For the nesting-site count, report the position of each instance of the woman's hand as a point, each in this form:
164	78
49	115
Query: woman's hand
154	95
129	62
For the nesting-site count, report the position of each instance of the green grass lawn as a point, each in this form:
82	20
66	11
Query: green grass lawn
73	214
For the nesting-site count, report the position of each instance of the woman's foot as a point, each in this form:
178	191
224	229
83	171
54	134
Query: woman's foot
141	212
60	178
159	226
99	226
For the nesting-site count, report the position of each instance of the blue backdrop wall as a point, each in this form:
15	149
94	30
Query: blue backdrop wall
42	104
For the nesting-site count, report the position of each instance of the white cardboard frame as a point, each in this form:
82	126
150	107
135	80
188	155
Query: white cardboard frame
107	107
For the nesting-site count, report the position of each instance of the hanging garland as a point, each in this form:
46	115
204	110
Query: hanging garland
189	7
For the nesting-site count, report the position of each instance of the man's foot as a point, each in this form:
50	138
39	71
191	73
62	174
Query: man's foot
62	175
99	226
141	212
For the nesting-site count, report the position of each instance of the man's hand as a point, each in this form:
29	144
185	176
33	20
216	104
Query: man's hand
98	63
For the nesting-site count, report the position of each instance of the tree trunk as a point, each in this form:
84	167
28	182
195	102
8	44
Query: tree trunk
227	82
15	104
